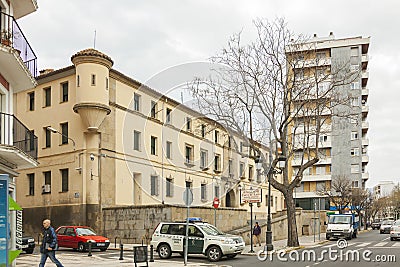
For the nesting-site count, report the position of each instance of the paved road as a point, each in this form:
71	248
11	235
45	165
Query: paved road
372	248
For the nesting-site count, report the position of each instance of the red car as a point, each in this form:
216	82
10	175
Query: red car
78	238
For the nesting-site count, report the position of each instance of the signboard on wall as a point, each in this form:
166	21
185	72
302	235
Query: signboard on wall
251	195
4	231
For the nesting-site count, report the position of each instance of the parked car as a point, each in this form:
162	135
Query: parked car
204	238
385	226
376	224
79	237
395	230
28	244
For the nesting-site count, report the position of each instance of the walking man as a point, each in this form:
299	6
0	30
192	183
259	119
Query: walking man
49	245
257	234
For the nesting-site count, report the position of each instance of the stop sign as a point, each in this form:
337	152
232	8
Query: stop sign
216	202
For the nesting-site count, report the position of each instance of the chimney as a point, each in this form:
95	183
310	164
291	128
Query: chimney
315	35
45	71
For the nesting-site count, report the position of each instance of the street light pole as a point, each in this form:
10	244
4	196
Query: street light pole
51	129
268	234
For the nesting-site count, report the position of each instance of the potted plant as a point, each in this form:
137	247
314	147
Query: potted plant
6	37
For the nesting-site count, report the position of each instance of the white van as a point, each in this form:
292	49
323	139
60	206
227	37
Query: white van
204	238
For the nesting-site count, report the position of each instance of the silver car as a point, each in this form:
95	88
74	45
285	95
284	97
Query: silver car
395	230
385	226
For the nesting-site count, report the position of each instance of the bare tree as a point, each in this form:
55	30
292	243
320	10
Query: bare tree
339	193
274	91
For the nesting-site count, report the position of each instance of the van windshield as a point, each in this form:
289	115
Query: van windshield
339	219
210	230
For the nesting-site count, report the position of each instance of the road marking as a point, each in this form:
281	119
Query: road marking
397	244
380	244
387	238
363	244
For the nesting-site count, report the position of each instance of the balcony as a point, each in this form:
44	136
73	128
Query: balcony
364	109
365	176
18	62
364	74
365	142
365	158
364	61
364	92
18	145
24	7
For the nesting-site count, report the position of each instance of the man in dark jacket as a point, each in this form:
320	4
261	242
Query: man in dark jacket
257	234
49	245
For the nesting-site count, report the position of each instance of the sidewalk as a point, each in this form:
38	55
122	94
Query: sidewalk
305	242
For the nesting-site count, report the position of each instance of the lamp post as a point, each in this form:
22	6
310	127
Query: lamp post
51	129
259	164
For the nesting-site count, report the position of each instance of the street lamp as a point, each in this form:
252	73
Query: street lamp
259	164
51	129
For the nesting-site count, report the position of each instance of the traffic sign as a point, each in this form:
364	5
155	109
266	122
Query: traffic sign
188	196
216	203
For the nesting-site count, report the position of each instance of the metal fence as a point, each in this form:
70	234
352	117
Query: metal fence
14	132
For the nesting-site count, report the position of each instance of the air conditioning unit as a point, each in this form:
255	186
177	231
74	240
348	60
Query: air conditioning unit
46	188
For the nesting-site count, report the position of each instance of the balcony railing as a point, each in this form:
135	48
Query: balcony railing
12	35
13	132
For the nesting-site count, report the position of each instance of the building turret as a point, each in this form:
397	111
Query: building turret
92	81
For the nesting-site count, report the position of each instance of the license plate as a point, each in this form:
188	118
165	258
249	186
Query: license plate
336	234
101	244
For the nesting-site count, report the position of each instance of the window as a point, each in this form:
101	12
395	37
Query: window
203	159
106	83
47	137
230	166
217	162
355	85
93	80
203	192
354	184
355	101
353	119
241	147
78	81
169	187
320	170
241	169
64	132
64	180
136	102
188	124
229	142
47	97
323	138
154	185
189	154
216	136
299	74
216	191
354	135
251	172
272	201
47	179
136	140
153	112
320	186
168	115
169	150
203	130
355	168
31	180
153	145
31	98
188	184
64	92
321	55
355	152
31	139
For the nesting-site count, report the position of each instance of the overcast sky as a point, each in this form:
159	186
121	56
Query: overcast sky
144	38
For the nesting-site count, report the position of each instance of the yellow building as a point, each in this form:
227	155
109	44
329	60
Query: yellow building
106	140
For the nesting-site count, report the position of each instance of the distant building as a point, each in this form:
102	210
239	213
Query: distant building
383	189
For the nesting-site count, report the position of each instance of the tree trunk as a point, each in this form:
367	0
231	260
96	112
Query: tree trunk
293	239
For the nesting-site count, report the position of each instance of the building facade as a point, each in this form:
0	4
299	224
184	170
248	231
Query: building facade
383	189
106	140
18	145
342	140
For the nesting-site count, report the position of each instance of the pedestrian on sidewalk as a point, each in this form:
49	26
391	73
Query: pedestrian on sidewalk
49	245
257	234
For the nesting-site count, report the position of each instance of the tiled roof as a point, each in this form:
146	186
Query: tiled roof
92	52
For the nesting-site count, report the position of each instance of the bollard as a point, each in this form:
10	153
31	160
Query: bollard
121	253
151	254
38	239
115	242
90	249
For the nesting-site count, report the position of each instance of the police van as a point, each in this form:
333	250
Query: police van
204	238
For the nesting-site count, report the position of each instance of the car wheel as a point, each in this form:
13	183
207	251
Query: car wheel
29	251
231	256
164	251
214	253
81	247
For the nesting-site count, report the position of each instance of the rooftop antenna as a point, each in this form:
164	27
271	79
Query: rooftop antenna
181	97
94	40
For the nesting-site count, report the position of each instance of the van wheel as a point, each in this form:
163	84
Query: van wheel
214	253
164	251
81	247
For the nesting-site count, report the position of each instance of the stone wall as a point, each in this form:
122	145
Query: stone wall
134	224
